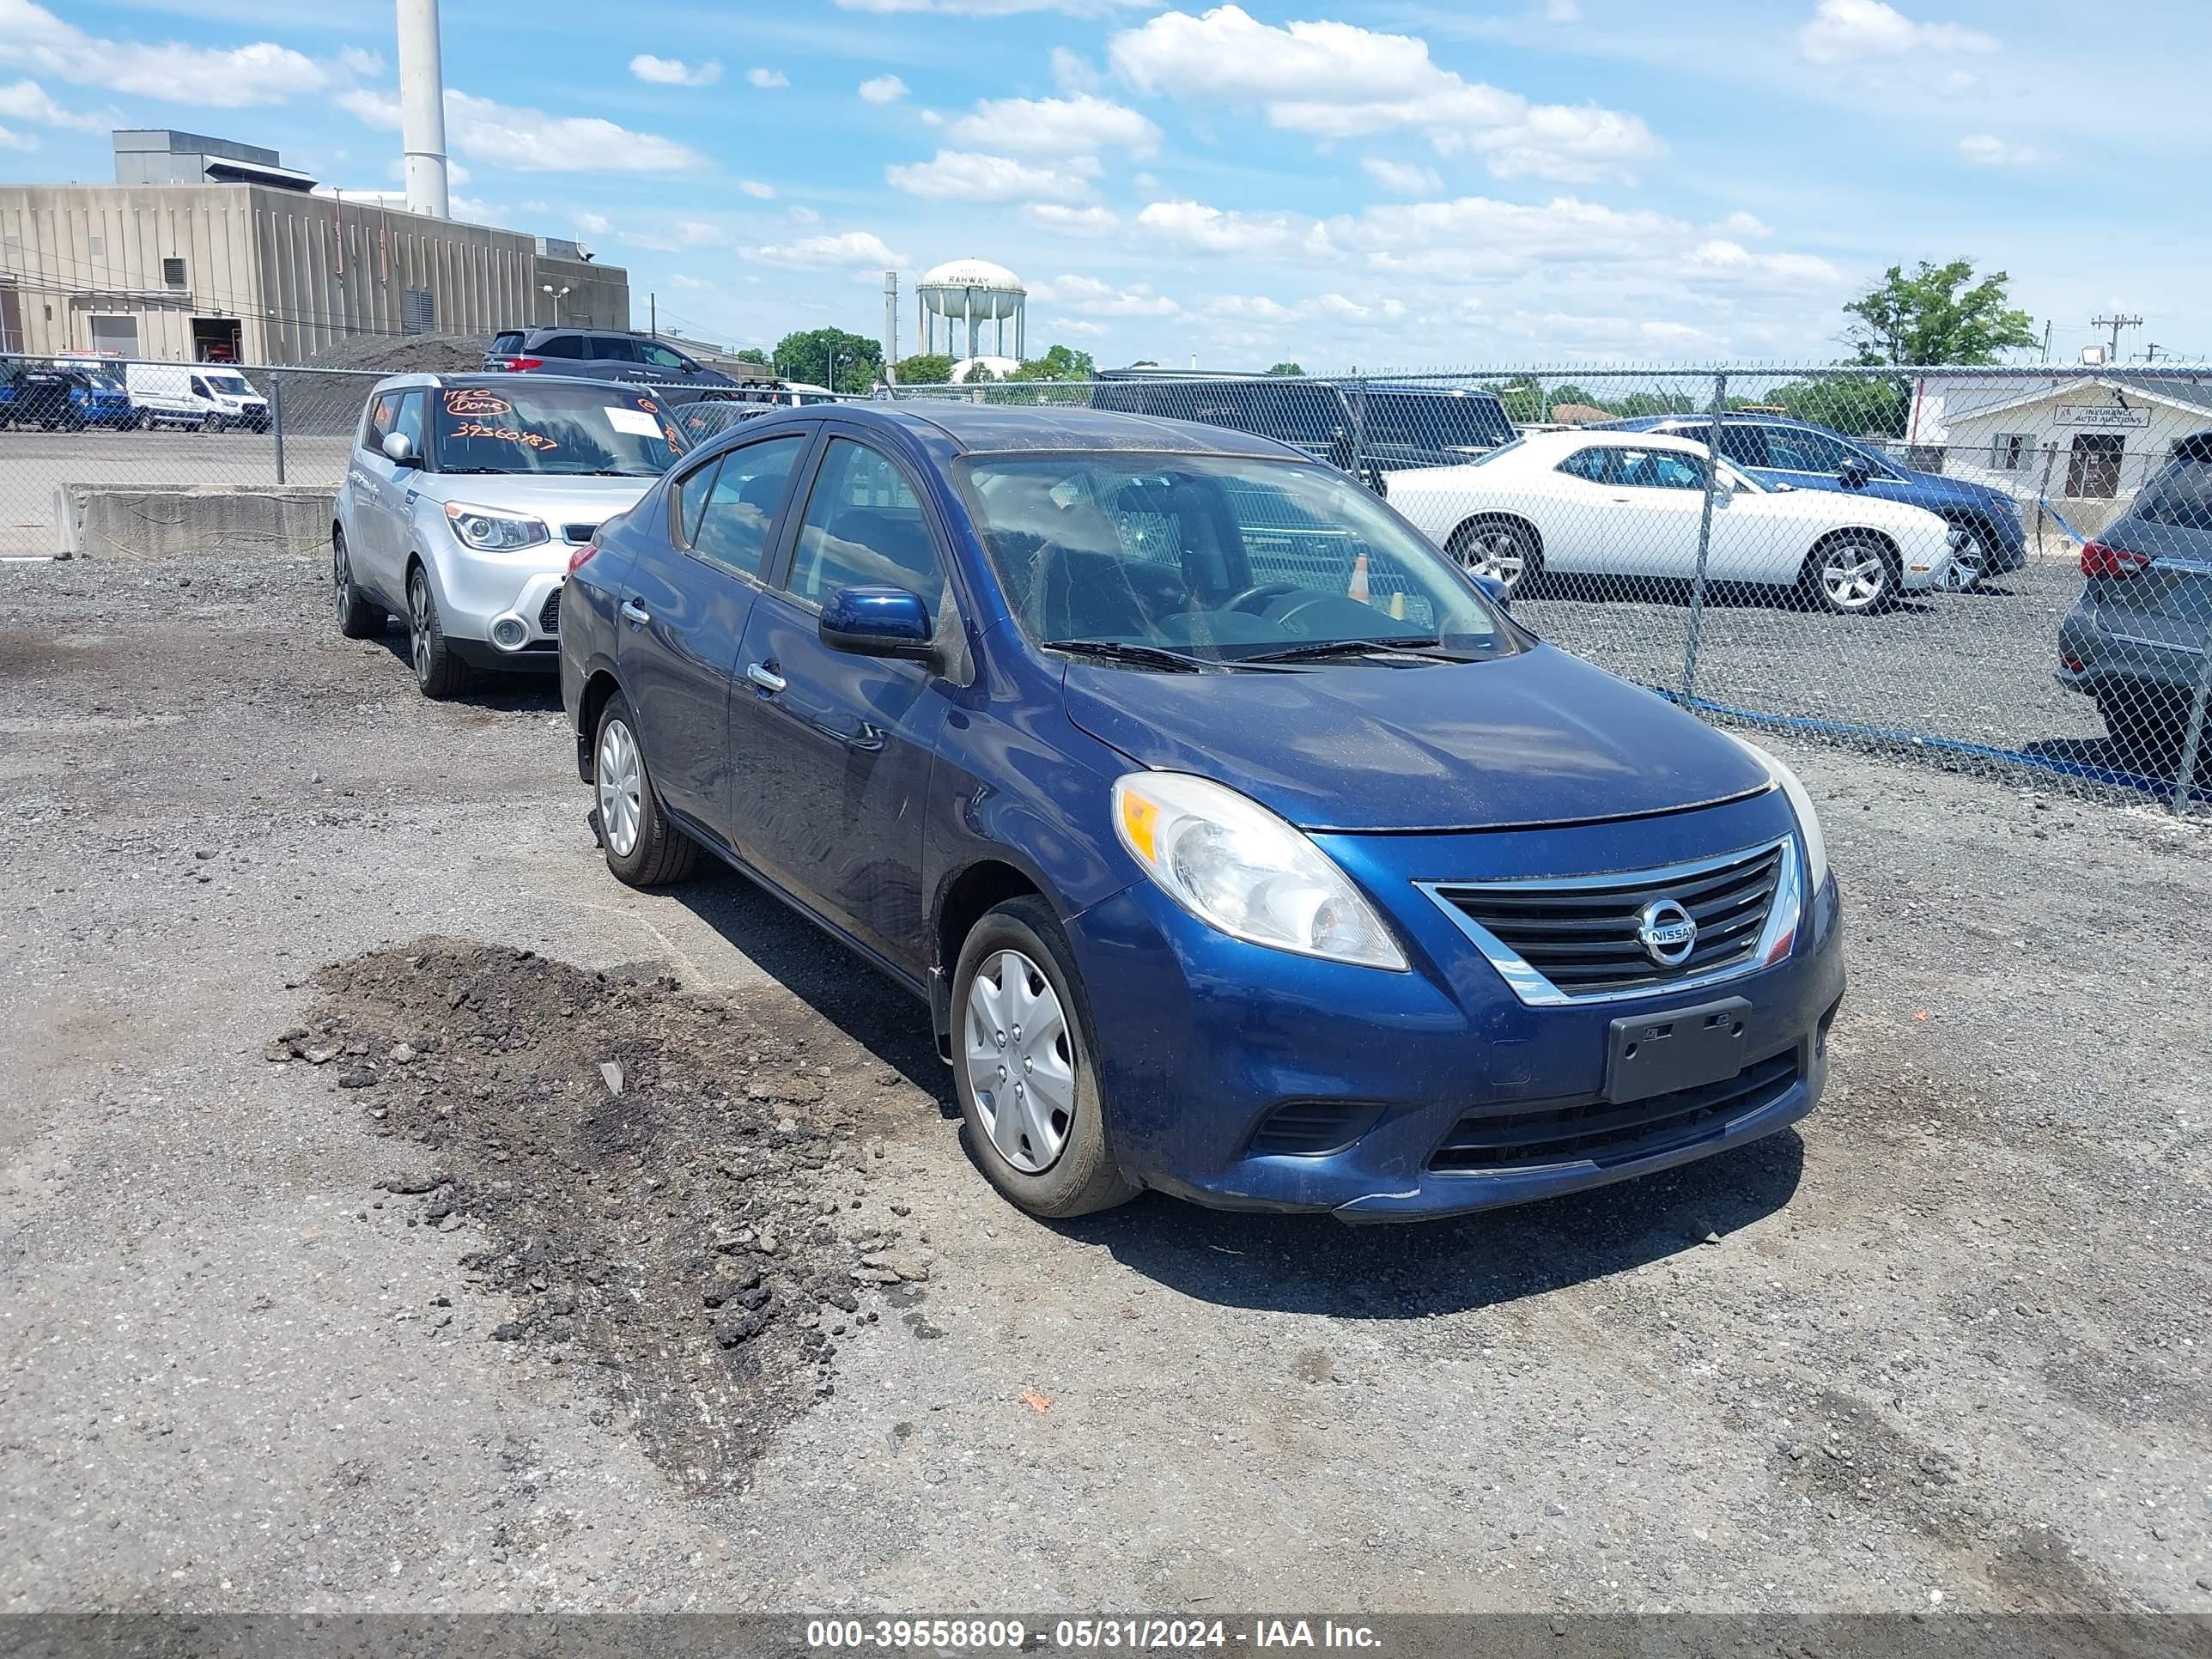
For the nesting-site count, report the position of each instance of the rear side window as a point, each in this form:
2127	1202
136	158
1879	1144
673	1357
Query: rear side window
561	345
507	344
1658	469
1586	464
2182	499
736	518
863	526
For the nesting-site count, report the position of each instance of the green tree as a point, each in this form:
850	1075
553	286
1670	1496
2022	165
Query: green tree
750	354
1059	362
808	356
1523	398
1637	404
1287	369
1938	314
929	368
1857	405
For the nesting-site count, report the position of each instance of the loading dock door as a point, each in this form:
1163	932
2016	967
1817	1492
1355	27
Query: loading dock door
115	336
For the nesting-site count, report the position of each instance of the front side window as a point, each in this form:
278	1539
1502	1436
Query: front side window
525	426
1222	558
383	413
733	521
1794	449
655	355
863	527
1657	469
1745	444
408	422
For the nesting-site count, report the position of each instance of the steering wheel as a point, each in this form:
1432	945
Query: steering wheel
1249	599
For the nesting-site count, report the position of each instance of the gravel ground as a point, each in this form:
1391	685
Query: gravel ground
1950	1340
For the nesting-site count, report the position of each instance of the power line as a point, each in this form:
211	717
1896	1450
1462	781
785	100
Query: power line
2116	324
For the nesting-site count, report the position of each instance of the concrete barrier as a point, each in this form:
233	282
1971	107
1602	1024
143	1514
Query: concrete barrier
171	521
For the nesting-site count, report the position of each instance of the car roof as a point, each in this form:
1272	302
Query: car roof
1652	422
988	429
487	377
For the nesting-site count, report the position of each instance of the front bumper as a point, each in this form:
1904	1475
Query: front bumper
501	609
1201	1038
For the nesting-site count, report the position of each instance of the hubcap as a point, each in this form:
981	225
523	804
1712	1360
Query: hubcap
1854	577
1021	1062
1497	553
1969	564
622	788
338	578
419	627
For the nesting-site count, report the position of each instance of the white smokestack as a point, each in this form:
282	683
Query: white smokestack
422	108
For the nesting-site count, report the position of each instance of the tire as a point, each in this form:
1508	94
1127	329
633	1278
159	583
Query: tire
144	422
1852	576
642	847
438	672
208	423
357	618
2147	729
1046	1152
1498	548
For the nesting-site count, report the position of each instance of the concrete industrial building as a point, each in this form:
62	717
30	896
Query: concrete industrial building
205	250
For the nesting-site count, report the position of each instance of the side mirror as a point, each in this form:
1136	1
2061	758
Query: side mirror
399	449
1500	595
880	622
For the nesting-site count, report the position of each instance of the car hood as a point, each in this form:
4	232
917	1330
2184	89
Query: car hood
557	500
1537	738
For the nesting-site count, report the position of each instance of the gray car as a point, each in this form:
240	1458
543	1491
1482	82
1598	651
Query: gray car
2139	639
466	496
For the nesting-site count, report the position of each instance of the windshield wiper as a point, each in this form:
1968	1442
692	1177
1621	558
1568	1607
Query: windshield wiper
1344	648
1129	651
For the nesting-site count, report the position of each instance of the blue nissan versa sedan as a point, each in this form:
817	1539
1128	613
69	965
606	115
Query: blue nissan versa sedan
1242	846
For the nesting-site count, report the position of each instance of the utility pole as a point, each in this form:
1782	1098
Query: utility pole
2046	339
2151	351
652	315
2116	324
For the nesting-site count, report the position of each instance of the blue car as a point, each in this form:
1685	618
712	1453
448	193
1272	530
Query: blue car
1778	450
1240	844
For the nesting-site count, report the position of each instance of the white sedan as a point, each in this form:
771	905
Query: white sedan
1630	504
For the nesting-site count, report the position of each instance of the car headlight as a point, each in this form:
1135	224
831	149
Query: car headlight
1237	867
494	533
1801	804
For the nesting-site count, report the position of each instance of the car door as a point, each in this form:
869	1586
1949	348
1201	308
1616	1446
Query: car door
831	752
377	549
1657	498
1814	460
685	601
1574	509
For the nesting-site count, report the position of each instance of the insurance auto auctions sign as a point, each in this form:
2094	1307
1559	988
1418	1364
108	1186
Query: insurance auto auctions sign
2101	417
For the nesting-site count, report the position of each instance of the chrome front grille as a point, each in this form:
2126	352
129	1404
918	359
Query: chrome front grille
1577	938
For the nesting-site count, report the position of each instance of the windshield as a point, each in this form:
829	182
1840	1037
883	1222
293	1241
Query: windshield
576	430
1436	419
1221	559
230	386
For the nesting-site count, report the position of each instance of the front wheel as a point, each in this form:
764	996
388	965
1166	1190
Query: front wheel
642	847
438	671
1024	1071
1852	576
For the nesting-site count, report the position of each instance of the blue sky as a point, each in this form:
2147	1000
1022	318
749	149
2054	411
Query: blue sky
1383	184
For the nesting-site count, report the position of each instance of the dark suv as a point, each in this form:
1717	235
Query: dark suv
2139	639
599	355
1367	429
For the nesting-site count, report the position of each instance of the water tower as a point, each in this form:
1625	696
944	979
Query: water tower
971	291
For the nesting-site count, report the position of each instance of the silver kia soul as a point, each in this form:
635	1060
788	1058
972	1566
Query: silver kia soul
465	496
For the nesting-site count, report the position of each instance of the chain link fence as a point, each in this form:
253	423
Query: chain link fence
2003	570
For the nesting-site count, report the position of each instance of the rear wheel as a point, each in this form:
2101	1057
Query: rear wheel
642	847
438	671
1498	547
1852	576
1024	1071
357	618
2147	729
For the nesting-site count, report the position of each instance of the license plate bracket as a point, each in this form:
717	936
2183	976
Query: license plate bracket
1649	1055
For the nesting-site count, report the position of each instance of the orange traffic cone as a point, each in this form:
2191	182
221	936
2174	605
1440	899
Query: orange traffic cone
1359	588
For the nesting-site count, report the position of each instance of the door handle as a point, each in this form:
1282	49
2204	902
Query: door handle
634	612
765	677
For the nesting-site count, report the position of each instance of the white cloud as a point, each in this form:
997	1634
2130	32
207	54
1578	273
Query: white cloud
217	78
1079	328
690	282
1562	11
531	141
27	100
758	190
359	60
1218	230
768	77
956	175
593	224
22	141
847	248
1845	31
696	233
991	8
674	71
1096	299
1980	149
1072	221
804	215
1073	72
1720	256
1741	223
1400	178
1082	125
1337	80
883	90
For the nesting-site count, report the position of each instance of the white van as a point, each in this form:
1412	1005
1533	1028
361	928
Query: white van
209	396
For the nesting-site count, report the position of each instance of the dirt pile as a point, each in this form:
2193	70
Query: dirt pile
679	1192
